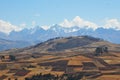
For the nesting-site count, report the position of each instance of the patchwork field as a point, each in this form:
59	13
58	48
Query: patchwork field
98	68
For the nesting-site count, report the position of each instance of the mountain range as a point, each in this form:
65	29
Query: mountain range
8	44
36	35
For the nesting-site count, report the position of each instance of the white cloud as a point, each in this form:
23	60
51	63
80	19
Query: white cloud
77	21
7	27
45	27
112	23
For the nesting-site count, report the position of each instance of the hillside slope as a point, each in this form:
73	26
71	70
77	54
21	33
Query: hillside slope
8	44
70	44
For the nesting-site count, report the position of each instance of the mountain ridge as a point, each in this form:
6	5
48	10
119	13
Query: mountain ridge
9	44
39	34
63	44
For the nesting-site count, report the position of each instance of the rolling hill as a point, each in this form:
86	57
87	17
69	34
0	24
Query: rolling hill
37	34
70	44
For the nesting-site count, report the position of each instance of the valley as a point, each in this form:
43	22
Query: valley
64	58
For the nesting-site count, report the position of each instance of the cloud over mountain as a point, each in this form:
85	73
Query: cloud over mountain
77	21
7	27
81	23
113	24
75	27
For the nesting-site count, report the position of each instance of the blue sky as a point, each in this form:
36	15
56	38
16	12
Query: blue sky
48	12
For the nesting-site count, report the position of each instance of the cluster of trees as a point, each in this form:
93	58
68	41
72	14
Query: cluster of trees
53	77
100	50
11	57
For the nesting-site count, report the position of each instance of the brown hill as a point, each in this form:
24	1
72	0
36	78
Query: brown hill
75	43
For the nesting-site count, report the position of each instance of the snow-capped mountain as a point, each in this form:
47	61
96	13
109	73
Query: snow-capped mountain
38	34
27	37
